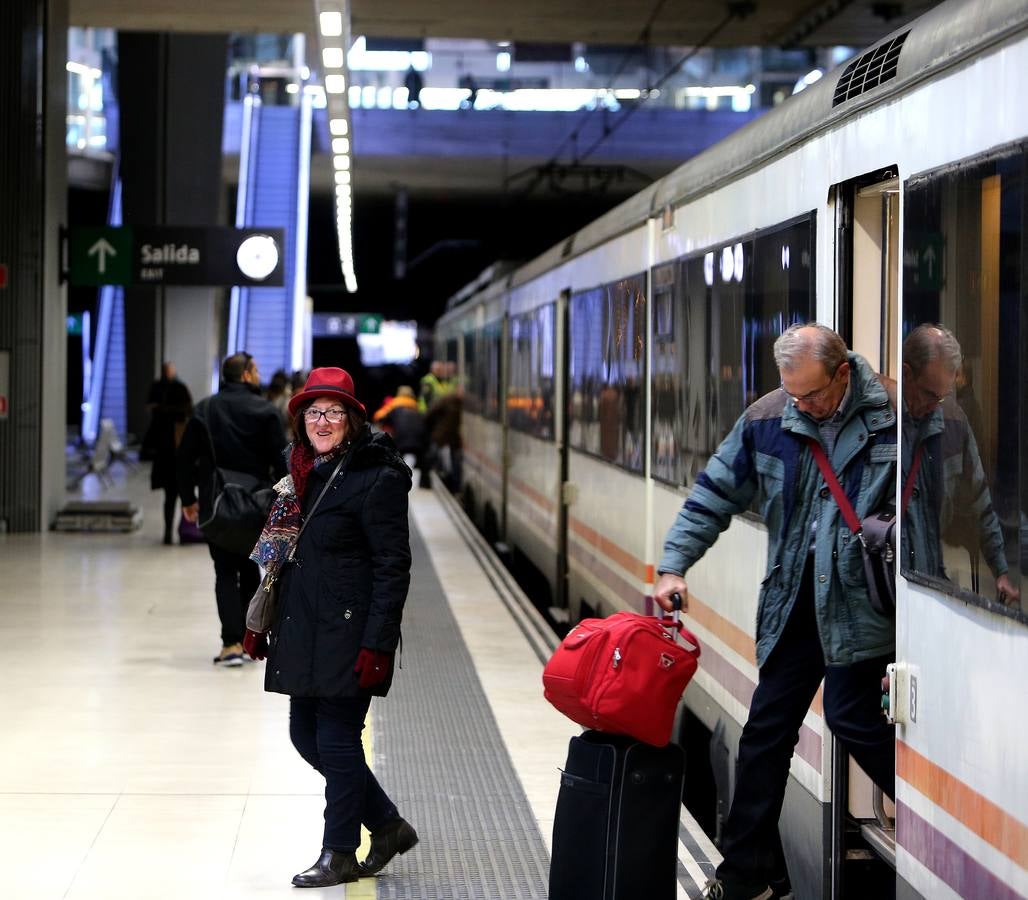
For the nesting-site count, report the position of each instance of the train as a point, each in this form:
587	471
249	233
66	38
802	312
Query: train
599	377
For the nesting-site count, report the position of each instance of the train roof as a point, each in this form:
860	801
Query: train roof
943	37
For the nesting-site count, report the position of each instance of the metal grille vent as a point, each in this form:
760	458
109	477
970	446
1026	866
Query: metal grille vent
869	70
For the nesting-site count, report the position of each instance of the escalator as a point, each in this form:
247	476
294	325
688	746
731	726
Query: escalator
274	188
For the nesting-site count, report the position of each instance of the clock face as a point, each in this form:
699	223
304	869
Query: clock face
257	256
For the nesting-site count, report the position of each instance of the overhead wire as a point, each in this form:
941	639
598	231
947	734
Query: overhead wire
641	41
607	132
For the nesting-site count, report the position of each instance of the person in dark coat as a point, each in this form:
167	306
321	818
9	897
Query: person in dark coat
245	433
342	586
172	406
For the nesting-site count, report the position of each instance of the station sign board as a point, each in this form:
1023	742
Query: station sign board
157	255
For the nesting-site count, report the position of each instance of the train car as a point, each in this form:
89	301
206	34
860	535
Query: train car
892	192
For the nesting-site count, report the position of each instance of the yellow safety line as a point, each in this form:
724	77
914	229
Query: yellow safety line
365	888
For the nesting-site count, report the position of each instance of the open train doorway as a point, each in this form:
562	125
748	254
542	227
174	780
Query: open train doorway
867	316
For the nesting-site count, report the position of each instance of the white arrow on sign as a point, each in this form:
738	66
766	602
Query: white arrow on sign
101	249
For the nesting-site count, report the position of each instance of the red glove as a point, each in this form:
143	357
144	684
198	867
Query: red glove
372	667
255	644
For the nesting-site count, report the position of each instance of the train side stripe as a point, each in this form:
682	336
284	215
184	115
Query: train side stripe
991	823
628	561
946	859
532	494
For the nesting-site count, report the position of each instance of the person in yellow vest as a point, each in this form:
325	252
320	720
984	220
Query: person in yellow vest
434	385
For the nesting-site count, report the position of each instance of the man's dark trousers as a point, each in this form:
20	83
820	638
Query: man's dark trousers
236	579
787	684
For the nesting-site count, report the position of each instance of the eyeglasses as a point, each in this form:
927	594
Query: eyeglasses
333	415
813	396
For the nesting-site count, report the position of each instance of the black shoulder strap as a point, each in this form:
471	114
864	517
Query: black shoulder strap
310	512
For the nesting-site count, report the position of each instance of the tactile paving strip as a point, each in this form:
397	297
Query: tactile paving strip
438	753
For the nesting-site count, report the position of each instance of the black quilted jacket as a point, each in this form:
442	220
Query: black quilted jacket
348	582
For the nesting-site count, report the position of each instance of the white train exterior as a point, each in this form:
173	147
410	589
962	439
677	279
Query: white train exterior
879	196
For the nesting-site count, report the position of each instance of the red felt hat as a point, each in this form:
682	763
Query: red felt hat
327	382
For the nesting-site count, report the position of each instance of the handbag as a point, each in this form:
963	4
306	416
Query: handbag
263	608
623	674
189	532
876	532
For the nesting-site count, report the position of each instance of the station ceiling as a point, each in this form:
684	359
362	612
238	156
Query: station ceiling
677	23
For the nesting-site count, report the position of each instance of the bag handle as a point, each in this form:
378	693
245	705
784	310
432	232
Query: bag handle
842	500
845	507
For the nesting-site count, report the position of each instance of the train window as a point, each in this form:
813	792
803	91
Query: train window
965	390
730	303
607	366
472	381
482	372
530	391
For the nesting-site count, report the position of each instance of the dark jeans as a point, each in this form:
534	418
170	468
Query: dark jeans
236	579
170	498
327	733
787	684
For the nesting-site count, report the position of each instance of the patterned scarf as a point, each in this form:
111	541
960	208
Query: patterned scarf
282	529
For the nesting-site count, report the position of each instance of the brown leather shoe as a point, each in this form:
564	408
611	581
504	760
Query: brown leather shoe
332	867
396	837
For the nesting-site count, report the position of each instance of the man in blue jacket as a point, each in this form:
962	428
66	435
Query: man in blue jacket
814	619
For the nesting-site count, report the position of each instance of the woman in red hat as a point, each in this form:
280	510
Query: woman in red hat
343	579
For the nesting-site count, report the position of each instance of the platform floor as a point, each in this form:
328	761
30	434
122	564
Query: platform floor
131	767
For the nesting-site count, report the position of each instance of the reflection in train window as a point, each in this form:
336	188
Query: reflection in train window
482	351
965	390
607	365
712	357
530	391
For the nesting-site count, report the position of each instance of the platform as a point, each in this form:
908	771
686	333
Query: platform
131	767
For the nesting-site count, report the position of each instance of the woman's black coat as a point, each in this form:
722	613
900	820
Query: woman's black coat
347	584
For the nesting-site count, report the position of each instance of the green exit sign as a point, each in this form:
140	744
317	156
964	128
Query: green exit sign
98	256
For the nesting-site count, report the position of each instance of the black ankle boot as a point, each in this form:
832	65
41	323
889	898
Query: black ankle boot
396	837
332	867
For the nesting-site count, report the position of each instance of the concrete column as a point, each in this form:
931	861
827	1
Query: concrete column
171	88
33	194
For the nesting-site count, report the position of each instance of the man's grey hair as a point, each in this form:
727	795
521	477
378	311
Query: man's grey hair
929	342
796	343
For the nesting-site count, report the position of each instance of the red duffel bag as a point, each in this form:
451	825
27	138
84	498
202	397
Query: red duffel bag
624	674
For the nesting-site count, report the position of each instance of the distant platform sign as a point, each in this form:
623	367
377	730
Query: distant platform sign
343	325
138	255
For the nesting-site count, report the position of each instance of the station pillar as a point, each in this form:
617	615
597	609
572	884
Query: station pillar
33	304
171	90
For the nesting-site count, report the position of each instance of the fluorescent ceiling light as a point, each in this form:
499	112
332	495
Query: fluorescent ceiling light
341	145
331	24
338	126
335	84
332	57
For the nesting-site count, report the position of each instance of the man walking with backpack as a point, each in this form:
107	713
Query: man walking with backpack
235	429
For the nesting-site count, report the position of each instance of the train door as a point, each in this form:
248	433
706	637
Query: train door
561	428
867	316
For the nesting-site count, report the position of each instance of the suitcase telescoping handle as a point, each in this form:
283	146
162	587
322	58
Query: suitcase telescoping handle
676	616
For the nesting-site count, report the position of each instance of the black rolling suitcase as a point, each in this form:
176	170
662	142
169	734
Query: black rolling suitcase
615	832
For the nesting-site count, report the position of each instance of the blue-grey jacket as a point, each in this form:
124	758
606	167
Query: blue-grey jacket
766	456
950	500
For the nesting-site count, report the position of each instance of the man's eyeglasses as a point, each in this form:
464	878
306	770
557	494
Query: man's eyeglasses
333	415
813	396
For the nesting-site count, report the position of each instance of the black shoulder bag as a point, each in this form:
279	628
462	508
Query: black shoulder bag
240	504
